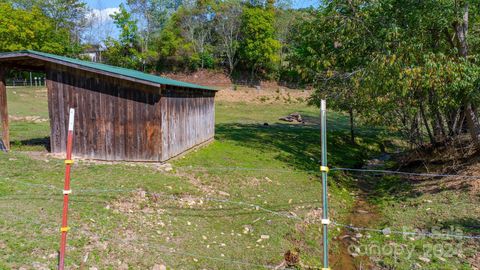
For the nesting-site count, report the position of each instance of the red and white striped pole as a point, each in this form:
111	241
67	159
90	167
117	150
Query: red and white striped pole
66	190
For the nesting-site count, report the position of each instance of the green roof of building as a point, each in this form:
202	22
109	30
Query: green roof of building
110	69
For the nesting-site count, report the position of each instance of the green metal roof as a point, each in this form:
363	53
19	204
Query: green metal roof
112	69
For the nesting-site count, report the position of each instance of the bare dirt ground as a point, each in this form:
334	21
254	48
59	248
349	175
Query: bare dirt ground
269	96
33	118
266	92
202	77
459	157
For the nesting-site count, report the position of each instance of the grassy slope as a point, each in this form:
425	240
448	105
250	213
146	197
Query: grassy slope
405	205
127	229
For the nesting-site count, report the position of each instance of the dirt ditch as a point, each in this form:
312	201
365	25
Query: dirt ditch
363	215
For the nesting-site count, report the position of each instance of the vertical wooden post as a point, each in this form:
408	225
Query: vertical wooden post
4	109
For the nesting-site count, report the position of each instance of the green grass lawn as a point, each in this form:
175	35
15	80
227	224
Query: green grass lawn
238	203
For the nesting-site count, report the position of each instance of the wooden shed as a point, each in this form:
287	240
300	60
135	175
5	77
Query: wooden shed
121	114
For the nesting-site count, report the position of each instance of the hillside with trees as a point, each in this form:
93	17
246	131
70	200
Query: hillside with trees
419	73
411	66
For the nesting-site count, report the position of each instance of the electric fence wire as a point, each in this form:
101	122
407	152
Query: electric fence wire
212	199
406	173
203	169
227	168
388	231
295	217
233	168
287	215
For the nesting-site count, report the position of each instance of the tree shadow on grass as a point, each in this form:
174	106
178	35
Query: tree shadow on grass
297	145
43	142
380	187
465	225
387	187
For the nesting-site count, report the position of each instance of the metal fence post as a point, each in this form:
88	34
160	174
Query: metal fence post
324	169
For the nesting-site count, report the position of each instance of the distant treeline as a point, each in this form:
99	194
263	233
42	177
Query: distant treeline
248	39
242	38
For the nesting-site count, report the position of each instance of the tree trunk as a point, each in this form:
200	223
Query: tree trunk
352	127
427	126
437	122
461	31
414	135
440	125
461	123
453	122
472	122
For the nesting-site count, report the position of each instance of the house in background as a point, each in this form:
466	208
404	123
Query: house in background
93	53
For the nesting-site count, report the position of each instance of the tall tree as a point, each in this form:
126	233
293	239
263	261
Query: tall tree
227	27
410	63
31	29
152	16
125	51
259	46
66	14
197	25
461	29
331	50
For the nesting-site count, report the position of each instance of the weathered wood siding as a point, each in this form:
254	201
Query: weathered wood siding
188	119
113	120
121	120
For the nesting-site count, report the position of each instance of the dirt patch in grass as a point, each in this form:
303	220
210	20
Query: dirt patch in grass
475	261
457	184
200	185
139	202
470	184
33	118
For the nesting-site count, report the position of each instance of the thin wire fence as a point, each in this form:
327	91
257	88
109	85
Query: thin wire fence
206	169
284	214
432	175
203	169
388	231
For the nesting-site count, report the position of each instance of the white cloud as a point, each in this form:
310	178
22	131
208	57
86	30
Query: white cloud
102	15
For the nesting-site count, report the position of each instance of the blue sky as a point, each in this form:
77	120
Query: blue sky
305	3
98	4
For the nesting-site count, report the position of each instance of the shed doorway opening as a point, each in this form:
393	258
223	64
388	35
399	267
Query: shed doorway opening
26	108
